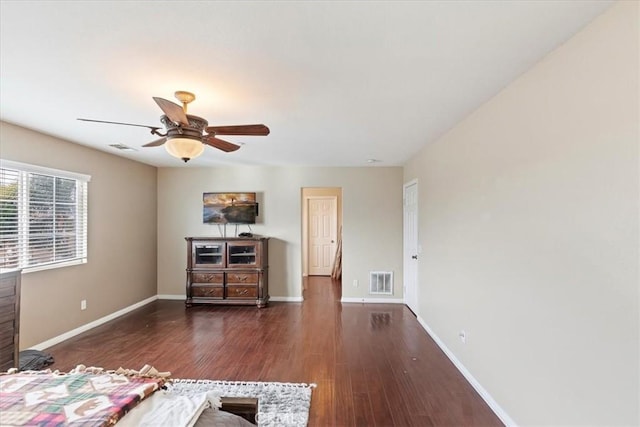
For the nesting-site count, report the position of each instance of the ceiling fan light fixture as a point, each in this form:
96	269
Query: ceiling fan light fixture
184	148
186	134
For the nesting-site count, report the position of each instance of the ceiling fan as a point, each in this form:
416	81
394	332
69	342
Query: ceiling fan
185	135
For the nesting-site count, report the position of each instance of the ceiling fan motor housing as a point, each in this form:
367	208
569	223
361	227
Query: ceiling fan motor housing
195	129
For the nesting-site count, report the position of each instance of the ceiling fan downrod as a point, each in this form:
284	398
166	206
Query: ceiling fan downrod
184	97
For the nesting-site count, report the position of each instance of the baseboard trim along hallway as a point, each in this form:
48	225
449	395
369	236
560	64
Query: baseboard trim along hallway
504	417
372	300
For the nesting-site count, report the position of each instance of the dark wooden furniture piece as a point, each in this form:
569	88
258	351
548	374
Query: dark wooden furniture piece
9	319
227	271
245	407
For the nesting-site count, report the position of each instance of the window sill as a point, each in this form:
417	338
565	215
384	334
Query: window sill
54	265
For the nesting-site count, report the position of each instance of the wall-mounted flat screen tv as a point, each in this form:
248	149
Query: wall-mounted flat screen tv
229	208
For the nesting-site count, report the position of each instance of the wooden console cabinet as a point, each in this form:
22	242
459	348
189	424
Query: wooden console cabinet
9	319
227	270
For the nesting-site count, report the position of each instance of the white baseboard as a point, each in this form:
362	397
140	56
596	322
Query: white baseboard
77	331
286	299
276	299
372	300
172	297
504	417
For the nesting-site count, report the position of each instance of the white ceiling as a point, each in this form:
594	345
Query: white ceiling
336	82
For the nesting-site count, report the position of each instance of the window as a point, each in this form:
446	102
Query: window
43	216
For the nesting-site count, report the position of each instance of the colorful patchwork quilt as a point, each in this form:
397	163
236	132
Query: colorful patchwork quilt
87	398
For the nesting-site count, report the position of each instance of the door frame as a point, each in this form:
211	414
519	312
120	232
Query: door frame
335	219
406	252
306	192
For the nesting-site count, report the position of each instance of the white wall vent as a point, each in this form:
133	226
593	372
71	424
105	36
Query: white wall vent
381	282
122	147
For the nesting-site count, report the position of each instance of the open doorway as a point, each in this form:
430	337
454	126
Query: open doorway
411	245
321	232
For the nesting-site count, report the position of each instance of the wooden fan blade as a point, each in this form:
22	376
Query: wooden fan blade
220	144
156	142
120	123
172	110
249	130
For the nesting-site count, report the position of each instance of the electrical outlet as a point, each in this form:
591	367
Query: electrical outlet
355	283
463	337
83	304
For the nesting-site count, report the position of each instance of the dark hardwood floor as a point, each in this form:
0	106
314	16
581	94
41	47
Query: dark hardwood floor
373	363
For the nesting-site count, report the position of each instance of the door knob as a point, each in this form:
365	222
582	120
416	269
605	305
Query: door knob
333	241
414	256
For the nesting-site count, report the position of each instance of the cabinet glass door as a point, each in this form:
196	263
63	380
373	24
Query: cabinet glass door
242	254
208	254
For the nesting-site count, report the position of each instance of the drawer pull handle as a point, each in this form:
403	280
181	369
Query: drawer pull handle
242	291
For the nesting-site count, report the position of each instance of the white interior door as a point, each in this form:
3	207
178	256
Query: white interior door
410	230
323	221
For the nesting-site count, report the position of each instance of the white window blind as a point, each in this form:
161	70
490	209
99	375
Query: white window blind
43	216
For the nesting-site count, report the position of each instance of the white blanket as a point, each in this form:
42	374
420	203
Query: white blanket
165	409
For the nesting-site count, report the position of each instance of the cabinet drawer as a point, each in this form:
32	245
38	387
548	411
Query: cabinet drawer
7	338
7	288
207	278
238	291
8	282
7	353
7	327
241	278
7	315
8	304
5	365
207	292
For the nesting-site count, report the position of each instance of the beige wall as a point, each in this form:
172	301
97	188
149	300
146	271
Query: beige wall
121	267
372	218
529	229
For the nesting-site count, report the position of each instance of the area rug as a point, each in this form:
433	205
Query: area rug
279	404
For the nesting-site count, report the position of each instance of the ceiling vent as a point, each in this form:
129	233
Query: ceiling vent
122	147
